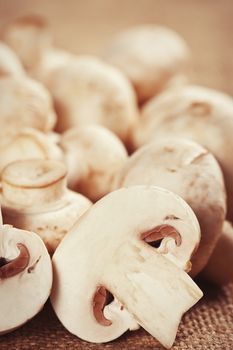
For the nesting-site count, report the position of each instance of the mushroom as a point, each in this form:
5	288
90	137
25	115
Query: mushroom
150	56
194	112
9	62
109	251
25	277
35	197
93	156
29	37
28	143
25	103
88	91
219	267
189	170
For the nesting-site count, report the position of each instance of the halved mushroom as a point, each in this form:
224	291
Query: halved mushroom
88	91
109	251
198	113
35	197
28	144
25	277
29	37
219	268
185	168
9	62
25	103
150	56
93	156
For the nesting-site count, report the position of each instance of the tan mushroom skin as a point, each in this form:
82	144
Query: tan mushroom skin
106	252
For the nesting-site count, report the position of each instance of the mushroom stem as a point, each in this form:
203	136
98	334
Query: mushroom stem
16	266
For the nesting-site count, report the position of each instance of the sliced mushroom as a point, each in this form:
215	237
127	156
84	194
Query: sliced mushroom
198	113
25	277
9	62
88	91
25	103
185	168
150	56
107	252
219	269
28	144
93	155
35	197
29	37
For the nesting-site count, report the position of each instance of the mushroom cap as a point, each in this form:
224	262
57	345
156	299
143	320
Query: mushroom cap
25	103
107	249
27	143
93	156
25	289
189	170
201	114
149	55
29	37
88	91
9	62
34	197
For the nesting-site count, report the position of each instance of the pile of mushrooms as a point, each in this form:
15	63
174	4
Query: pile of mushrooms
123	130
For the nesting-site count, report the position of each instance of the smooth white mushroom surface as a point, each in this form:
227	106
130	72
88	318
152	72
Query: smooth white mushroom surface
25	103
198	113
149	55
29	37
219	269
111	250
35	197
89	91
28	143
189	170
93	155
25	277
9	62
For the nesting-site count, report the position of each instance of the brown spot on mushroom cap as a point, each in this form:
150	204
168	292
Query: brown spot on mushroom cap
16	266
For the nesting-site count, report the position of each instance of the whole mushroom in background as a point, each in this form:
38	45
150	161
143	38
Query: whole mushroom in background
108	250
25	277
150	56
35	197
93	155
198	113
9	62
189	170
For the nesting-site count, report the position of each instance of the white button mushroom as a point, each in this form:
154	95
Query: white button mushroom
107	250
93	156
25	277
9	62
189	170
150	56
198	113
35	197
25	103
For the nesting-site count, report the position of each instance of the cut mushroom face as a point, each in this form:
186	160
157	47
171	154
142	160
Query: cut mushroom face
150	56
88	91
185	168
9	62
34	197
198	113
98	257
29	37
93	156
25	103
219	267
25	277
27	144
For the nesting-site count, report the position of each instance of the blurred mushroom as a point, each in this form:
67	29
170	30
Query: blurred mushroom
109	251
35	197
9	62
25	277
150	56
93	156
